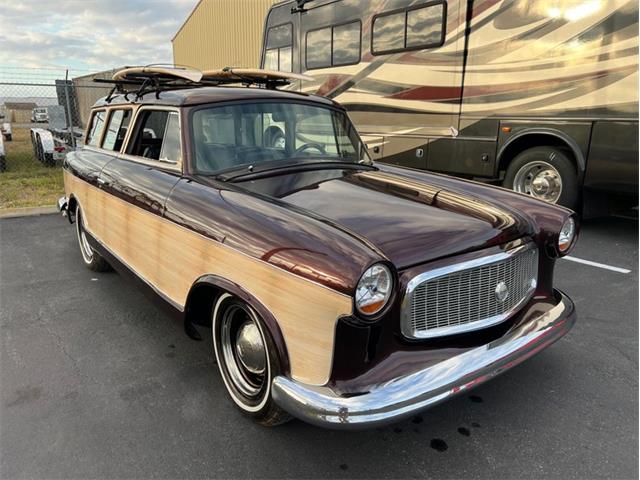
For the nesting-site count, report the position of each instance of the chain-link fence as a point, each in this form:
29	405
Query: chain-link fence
43	113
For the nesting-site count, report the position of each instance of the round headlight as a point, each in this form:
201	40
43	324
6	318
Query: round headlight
373	290
567	235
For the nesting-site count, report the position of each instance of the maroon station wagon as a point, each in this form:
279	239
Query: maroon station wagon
341	291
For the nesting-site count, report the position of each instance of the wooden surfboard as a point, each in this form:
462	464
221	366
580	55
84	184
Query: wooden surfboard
256	74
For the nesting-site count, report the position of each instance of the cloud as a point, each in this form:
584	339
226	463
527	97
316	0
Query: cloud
89	34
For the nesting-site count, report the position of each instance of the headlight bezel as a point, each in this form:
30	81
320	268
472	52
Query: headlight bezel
567	236
387	297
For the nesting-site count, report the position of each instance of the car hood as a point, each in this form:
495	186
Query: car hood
408	221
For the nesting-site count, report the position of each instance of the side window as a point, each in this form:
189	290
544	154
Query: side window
157	136
171	143
95	130
411	29
278	54
346	44
318	48
333	46
116	129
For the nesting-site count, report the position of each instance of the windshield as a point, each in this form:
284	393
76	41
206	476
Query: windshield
273	134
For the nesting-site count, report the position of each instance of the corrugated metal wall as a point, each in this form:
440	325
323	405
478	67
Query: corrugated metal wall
87	92
222	33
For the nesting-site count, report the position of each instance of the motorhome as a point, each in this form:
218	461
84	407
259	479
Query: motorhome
538	96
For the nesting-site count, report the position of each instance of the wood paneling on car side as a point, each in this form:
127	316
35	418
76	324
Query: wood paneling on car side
171	258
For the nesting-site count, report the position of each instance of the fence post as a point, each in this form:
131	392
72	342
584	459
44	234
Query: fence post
68	109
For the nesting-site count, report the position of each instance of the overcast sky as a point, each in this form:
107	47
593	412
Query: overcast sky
88	35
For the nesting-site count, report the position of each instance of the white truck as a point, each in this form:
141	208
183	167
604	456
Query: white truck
39	115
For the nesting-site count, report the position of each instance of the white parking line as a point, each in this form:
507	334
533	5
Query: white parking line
599	265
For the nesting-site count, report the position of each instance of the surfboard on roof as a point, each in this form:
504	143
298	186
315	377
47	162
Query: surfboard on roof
162	74
256	75
191	75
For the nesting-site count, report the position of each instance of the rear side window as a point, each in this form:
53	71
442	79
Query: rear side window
116	129
96	127
333	46
278	54
171	142
157	136
410	29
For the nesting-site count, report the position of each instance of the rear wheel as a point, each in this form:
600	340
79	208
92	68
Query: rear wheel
247	359
91	258
545	173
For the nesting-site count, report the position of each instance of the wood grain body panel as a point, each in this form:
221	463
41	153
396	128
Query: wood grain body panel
171	258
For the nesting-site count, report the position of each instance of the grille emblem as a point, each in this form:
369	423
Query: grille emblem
501	291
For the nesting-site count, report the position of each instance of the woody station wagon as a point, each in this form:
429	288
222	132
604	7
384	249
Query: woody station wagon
338	290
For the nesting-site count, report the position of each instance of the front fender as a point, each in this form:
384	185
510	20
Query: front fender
268	318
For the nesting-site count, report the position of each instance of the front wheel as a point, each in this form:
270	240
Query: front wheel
545	173
91	258
247	359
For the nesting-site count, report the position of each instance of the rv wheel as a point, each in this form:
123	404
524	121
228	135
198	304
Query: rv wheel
545	173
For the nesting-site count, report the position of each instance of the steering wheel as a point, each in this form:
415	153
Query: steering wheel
308	146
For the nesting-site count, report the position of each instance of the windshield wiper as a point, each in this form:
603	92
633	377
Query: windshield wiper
249	173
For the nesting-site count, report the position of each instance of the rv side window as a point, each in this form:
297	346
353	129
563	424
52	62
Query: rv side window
346	44
333	46
278	54
95	130
319	48
412	29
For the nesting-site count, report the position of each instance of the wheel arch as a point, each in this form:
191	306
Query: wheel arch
203	295
538	137
72	202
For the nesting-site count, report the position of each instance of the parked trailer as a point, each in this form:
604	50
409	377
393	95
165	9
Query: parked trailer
7	132
47	148
539	96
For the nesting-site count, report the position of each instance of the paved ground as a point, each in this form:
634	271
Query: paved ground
97	382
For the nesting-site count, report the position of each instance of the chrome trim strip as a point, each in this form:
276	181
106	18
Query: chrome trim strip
405	320
404	396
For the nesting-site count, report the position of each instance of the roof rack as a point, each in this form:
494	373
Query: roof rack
155	78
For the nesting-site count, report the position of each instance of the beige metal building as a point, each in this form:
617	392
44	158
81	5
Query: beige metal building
88	92
221	33
18	112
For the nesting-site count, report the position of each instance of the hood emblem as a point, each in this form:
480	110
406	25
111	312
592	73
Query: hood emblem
501	292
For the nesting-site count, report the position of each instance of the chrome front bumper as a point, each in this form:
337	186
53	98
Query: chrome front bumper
62	206
404	396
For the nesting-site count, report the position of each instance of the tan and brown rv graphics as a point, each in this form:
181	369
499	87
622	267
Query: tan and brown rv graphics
506	77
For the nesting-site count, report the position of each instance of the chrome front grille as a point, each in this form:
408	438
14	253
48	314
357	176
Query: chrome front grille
469	295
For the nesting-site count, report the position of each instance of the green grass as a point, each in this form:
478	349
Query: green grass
27	182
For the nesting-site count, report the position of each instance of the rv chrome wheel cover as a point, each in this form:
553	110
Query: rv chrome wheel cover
540	180
280	143
85	247
243	351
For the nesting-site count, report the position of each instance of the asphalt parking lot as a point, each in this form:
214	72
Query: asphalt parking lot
96	382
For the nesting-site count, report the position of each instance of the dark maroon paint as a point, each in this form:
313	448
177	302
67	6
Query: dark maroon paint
330	225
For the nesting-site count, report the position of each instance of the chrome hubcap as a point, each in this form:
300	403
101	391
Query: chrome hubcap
250	349
539	179
243	350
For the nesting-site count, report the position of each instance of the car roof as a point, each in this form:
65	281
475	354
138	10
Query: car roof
204	95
